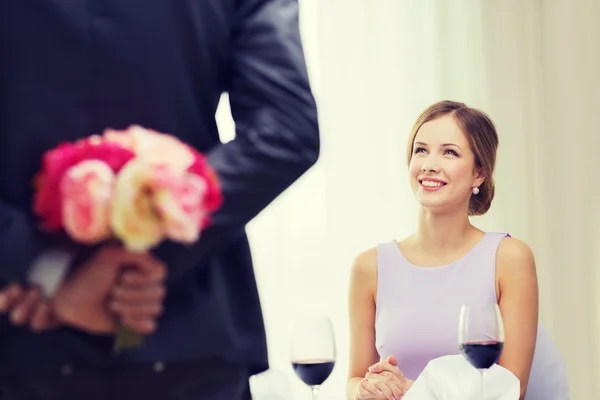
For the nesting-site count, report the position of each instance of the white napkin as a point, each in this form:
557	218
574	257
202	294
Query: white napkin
453	378
270	385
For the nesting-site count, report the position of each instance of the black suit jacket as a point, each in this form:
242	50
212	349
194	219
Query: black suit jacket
71	68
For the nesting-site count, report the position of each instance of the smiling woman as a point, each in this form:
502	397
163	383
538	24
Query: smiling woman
451	137
405	296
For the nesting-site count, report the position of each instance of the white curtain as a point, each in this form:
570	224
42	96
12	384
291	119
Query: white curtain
533	65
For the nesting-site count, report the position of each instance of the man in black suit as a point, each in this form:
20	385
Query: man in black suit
69	69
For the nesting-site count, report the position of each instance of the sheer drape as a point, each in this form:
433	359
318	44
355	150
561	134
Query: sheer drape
532	65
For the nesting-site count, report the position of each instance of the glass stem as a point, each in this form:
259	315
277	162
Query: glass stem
482	372
315	392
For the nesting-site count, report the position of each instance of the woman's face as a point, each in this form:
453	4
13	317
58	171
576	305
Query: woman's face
442	168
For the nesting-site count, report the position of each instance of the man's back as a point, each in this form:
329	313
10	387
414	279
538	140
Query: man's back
69	69
74	68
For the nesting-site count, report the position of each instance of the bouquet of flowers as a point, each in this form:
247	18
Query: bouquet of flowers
137	186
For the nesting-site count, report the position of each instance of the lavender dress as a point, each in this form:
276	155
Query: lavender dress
418	308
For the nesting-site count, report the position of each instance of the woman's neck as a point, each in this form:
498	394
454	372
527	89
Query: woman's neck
440	234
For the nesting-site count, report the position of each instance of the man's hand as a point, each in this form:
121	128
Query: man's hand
137	298
113	284
84	299
27	306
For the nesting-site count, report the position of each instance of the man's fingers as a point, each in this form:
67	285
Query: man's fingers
147	310
27	307
143	326
24	307
9	296
145	263
134	278
137	295
120	258
138	306
42	318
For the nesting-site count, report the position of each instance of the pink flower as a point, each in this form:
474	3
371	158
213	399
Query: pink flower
185	190
137	185
162	149
153	147
86	191
179	200
47	204
153	202
213	198
134	219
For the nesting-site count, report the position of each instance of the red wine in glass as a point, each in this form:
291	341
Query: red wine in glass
313	372
481	336
312	351
484	354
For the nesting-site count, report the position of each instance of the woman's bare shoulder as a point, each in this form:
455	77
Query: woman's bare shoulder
513	252
363	276
365	263
515	261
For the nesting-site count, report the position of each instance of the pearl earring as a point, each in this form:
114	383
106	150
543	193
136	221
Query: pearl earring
475	190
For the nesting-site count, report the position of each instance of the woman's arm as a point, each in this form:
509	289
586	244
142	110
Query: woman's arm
361	309
518	301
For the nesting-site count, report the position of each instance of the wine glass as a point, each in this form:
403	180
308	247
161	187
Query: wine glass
312	351
481	336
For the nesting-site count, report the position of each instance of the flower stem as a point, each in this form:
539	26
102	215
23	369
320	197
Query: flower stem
126	339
